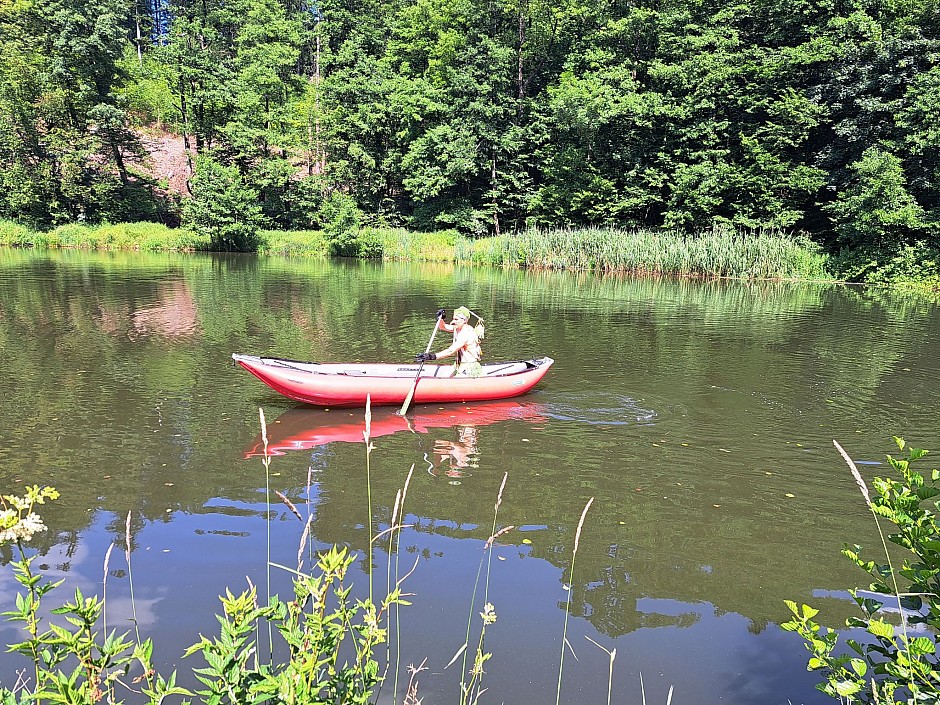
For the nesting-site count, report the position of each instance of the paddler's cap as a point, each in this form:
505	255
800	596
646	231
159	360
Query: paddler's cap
463	312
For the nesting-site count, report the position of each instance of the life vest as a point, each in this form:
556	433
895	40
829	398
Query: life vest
473	346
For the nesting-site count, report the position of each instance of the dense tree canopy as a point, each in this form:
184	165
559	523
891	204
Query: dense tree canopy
483	116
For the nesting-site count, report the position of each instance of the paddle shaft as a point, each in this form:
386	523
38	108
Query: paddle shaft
411	394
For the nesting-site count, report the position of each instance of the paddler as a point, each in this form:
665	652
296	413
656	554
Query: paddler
466	345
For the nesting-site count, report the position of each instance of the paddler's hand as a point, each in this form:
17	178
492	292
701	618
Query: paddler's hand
440	313
424	357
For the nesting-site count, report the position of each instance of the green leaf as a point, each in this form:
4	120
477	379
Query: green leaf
922	645
881	629
847	689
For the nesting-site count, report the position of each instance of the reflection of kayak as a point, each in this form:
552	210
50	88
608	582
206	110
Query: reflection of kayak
348	384
302	429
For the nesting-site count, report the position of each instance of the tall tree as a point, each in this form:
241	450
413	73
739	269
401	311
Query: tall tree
65	139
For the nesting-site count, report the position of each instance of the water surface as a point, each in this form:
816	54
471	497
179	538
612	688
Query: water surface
698	415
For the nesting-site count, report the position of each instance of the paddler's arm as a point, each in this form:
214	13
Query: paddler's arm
447	352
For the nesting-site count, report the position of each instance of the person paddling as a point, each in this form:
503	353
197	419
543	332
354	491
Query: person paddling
466	345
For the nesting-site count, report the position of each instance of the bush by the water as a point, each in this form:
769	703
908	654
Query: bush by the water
887	663
918	264
223	208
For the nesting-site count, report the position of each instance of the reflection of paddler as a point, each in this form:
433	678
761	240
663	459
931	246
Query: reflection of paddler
459	454
466	345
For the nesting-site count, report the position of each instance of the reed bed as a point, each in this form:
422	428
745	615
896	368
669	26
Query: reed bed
293	243
720	252
399	244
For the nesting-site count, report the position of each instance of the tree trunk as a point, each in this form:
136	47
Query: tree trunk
495	204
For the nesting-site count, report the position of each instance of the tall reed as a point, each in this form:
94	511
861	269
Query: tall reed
719	252
471	689
366	436
564	634
104	588
118	236
394	539
266	461
863	488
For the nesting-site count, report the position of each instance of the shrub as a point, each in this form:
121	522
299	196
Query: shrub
342	218
919	262
888	659
222	207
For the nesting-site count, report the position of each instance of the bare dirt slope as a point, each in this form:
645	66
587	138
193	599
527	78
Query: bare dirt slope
166	161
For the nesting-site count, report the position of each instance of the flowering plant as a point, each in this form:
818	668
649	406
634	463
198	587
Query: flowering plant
18	521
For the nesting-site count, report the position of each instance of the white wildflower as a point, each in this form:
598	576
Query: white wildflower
23	529
18	522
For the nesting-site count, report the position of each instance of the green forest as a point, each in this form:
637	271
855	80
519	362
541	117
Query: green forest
484	117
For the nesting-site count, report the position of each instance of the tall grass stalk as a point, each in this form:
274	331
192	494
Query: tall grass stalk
130	574
104	588
266	461
884	543
612	654
398	514
366	436
130	582
309	508
488	615
564	634
643	692
493	535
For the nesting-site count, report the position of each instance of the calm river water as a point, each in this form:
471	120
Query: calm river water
698	415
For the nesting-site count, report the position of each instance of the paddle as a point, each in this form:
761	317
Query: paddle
404	406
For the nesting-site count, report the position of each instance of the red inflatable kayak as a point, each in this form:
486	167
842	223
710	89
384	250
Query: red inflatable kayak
335	384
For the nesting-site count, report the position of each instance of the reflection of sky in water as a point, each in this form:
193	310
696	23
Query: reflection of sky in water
320	458
703	655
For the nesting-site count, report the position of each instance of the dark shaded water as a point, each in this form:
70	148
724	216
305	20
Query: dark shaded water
699	416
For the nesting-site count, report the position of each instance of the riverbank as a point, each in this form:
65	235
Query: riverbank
716	253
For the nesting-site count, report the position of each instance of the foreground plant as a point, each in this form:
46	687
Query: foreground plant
330	639
74	664
890	664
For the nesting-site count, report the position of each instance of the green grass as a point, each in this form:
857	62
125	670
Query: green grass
152	237
15	235
402	245
293	243
716	253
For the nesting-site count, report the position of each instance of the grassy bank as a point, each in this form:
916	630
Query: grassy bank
715	253
121	236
